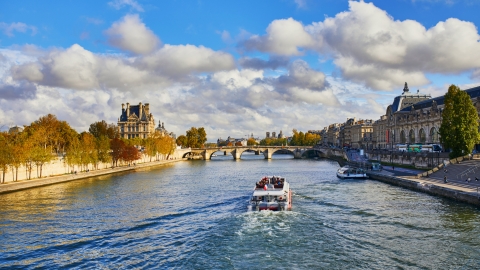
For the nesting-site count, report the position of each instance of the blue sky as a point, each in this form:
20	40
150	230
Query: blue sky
234	67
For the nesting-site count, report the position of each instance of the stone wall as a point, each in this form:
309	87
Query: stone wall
471	198
59	167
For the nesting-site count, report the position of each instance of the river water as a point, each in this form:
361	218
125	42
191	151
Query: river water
192	215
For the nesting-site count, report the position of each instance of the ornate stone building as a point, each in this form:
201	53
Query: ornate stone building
387	131
136	121
414	123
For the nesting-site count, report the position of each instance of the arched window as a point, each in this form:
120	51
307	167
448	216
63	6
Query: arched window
403	139
411	136
434	135
423	136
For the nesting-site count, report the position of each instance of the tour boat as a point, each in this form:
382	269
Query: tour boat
347	172
271	193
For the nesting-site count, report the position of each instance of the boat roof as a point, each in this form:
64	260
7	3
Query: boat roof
276	192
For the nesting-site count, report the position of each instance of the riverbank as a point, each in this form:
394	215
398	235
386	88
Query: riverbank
33	183
466	194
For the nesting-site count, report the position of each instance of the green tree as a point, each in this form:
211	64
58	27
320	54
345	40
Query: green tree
459	129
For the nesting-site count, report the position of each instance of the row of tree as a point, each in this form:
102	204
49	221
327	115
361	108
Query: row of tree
298	139
48	138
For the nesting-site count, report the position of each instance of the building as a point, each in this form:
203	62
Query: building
387	131
15	130
136	121
416	123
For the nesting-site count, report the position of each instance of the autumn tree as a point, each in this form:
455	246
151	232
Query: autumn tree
88	152
251	141
196	137
459	128
102	129
130	154
182	141
117	146
103	150
5	152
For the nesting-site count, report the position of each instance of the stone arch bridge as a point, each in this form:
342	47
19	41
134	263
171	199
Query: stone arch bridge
237	151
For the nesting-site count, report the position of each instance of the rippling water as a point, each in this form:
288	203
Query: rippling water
192	215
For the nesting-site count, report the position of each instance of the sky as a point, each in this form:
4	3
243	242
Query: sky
235	68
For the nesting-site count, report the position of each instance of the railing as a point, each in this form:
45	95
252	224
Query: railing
468	171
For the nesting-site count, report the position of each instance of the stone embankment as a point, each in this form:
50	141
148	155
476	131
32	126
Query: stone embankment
465	193
27	184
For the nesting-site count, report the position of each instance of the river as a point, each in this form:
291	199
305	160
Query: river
192	215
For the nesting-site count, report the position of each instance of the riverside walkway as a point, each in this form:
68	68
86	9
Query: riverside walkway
456	188
457	171
38	182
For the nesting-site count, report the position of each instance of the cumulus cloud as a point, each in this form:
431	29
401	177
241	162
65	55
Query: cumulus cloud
260	64
77	68
368	43
284	37
22	90
183	59
9	29
300	75
80	69
119	4
131	34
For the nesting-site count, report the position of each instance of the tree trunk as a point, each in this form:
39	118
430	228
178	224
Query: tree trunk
41	165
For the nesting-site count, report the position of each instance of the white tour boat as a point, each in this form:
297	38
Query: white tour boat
347	172
271	193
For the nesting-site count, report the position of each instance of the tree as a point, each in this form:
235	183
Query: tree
130	153
459	129
5	154
103	150
182	141
117	146
196	137
251	141
101	128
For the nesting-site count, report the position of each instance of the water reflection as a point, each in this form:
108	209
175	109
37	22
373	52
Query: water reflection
192	215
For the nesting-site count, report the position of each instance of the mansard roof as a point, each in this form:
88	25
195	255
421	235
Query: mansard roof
472	92
134	109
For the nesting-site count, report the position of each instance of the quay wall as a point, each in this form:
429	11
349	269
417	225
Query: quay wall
39	182
418	185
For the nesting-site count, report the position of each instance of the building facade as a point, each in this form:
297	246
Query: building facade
136	121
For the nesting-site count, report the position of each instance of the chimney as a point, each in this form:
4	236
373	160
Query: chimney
163	125
147	108
128	109
140	110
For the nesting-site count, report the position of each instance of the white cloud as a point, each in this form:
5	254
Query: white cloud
130	34
118	4
284	37
184	59
9	29
370	46
301	3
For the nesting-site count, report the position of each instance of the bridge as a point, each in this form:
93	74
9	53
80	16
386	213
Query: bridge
237	151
